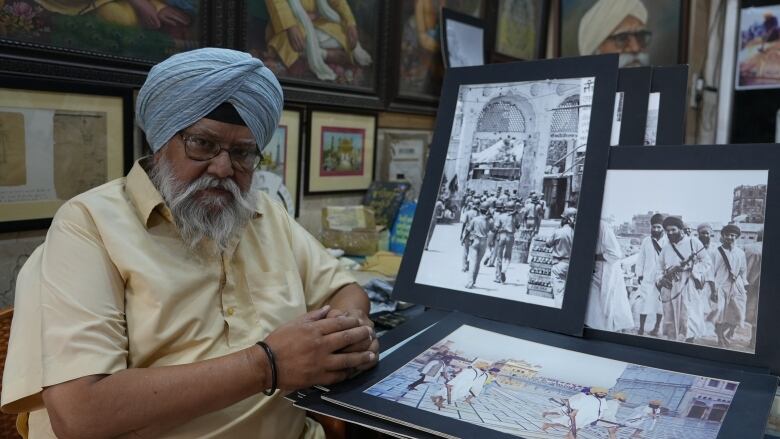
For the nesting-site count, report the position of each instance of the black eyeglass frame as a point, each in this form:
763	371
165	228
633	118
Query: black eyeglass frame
217	150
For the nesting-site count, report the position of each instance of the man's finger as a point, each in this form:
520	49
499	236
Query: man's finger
337	324
317	314
345	362
339	340
362	346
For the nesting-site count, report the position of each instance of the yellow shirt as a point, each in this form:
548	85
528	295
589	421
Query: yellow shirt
114	287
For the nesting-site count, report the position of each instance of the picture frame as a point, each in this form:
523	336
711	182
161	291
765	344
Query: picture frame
394	159
665	20
755	68
330	174
520	29
723	159
634	84
349	81
462	39
382	391
669	94
278	173
68	32
31	193
418	67
531	301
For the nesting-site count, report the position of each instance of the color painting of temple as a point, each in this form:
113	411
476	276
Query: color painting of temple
274	155
342	151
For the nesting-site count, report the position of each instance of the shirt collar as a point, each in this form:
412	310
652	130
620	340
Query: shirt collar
145	196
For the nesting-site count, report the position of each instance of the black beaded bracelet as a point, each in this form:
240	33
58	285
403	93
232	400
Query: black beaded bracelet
272	362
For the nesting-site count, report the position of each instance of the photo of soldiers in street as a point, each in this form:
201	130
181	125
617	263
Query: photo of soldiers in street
528	389
685	256
504	220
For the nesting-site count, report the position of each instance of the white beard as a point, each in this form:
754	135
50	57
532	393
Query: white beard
217	218
634	59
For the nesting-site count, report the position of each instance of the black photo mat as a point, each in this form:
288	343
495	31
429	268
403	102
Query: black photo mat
634	83
718	157
452	15
569	318
409	328
311	400
672	83
746	416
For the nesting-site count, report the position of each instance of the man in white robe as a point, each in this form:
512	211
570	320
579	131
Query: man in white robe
644	418
456	388
729	272
433	369
583	409
608	306
648	299
682	270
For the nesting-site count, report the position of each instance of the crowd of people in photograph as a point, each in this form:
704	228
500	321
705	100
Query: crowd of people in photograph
691	285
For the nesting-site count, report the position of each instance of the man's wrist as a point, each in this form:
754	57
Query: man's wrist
261	367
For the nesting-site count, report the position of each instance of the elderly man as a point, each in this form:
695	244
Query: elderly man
683	267
616	26
608	306
175	302
730	268
648	301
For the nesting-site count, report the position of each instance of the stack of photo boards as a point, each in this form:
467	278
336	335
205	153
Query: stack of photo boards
592	277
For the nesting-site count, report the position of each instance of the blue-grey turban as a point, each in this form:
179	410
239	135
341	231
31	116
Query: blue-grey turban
187	86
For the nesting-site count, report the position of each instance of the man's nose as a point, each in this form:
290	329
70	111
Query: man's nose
632	46
221	166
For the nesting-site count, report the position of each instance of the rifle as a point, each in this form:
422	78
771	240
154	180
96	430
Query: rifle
672	274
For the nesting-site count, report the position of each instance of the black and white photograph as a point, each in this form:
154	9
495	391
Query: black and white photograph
679	256
503	224
651	125
463	39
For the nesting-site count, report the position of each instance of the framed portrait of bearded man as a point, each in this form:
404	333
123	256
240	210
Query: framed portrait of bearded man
685	251
642	32
510	200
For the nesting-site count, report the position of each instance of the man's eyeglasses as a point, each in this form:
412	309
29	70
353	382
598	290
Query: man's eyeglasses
198	148
622	40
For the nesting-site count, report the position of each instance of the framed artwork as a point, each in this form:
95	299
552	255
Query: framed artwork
417	43
340	152
717	301
279	168
334	44
56	144
462	39
666	106
643	32
498	380
631	106
402	156
758	60
521	29
139	33
499	152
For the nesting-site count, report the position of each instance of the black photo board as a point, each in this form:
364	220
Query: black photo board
521	131
634	83
528	365
715	186
672	83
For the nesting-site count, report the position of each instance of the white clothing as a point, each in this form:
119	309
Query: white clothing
608	306
648	297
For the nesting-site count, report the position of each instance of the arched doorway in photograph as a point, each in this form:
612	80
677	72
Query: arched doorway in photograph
562	159
718	412
499	143
698	409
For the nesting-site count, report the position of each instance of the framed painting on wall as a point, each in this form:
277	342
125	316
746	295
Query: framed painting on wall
324	44
341	152
140	31
521	29
421	70
55	145
643	32
279	168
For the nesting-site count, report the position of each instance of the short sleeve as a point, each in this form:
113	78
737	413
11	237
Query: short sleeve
320	272
83	325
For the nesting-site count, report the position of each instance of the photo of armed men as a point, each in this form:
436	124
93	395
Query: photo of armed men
503	224
679	256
